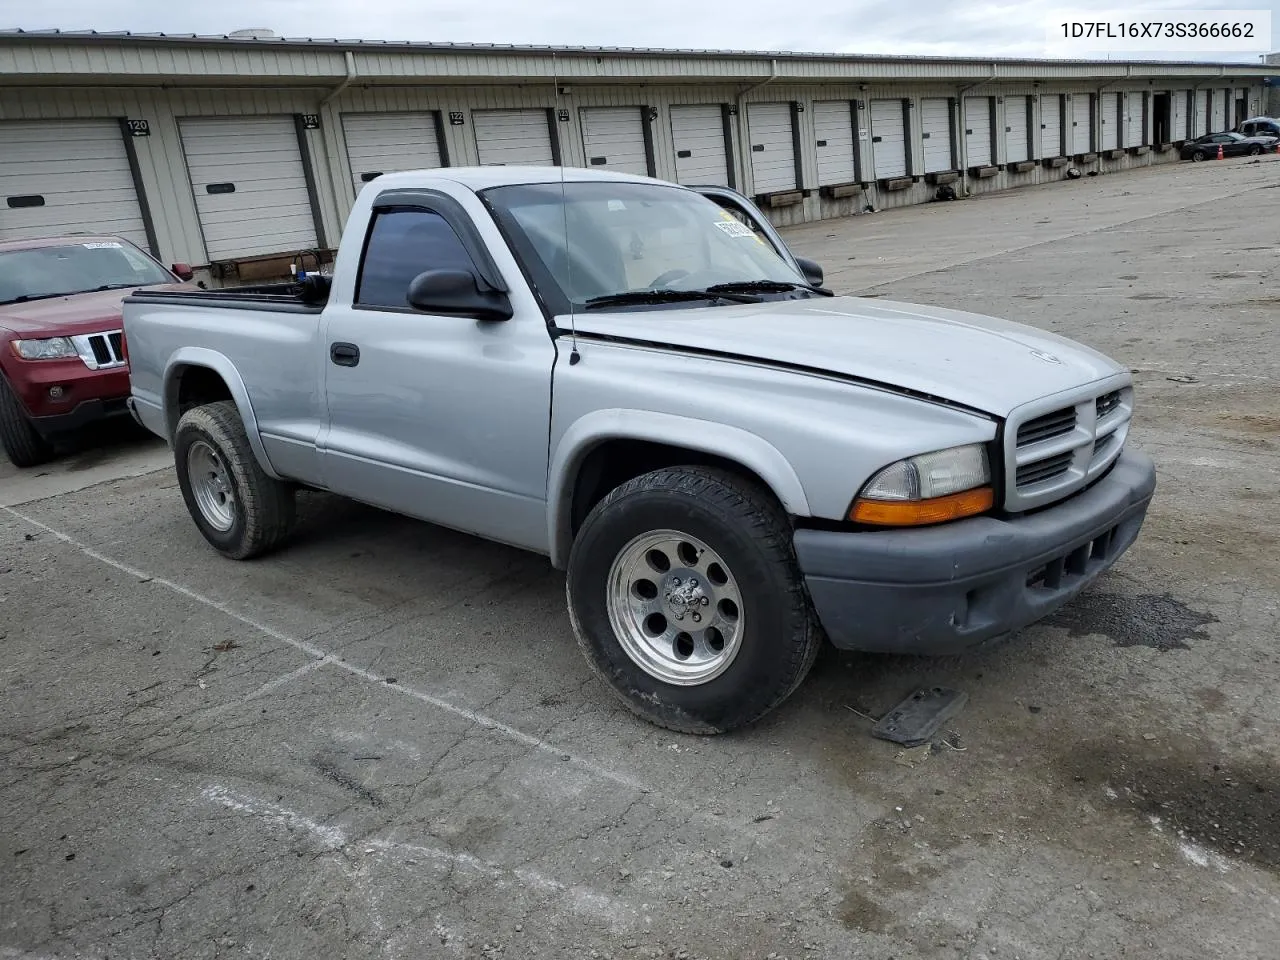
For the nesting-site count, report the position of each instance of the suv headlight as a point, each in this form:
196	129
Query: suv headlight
928	488
54	348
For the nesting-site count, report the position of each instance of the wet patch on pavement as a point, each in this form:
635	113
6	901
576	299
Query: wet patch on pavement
1157	620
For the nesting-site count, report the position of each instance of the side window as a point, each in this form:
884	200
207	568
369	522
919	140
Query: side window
401	245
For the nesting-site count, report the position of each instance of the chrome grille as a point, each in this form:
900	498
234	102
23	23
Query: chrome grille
1057	445
101	351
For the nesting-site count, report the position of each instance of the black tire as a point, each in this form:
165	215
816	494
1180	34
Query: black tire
22	444
1255	150
744	525
1198	156
263	507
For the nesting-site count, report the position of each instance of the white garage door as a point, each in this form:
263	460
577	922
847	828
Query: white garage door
1017	144
833	131
67	176
1202	113
773	147
1133	117
1109	132
250	188
613	138
697	133
1081	123
977	130
888	139
506	138
1219	110
1179	98
935	123
389	142
1051	125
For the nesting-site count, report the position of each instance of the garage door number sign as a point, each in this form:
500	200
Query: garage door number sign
138	128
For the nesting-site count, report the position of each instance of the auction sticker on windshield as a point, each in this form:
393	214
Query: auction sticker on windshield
102	245
735	229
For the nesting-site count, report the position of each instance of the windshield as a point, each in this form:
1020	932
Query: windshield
42	272
601	240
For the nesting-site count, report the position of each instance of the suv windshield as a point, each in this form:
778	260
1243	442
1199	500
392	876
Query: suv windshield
610	241
42	272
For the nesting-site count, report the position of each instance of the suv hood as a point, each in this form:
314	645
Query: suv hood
67	316
980	362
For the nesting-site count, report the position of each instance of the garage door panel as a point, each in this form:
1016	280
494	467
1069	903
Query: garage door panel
80	168
270	209
935	129
614	139
773	149
1081	124
1050	126
888	139
1180	114
833	130
977	131
512	137
1017	146
1133	117
390	142
697	135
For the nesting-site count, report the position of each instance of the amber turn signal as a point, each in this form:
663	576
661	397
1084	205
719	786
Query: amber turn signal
915	513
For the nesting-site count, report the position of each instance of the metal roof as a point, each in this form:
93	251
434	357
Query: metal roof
97	36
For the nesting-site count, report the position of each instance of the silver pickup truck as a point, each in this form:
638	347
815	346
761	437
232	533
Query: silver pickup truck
640	381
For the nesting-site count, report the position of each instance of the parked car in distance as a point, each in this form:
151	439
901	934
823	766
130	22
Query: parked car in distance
1260	127
1233	145
730	462
63	362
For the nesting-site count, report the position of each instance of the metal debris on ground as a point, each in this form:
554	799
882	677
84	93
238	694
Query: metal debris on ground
916	719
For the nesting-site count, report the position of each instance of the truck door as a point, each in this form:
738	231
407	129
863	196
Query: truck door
437	417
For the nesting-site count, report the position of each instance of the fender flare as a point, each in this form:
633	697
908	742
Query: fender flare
223	367
733	443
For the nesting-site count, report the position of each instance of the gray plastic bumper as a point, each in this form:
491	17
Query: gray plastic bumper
946	588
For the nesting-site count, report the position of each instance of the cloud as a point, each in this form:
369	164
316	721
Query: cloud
909	27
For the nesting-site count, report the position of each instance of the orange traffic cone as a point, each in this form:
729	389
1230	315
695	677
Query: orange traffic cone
1219	151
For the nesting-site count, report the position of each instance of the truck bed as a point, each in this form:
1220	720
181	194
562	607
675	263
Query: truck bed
310	293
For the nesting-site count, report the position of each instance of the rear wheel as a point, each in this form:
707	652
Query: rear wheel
1255	150
240	510
687	601
23	445
1198	156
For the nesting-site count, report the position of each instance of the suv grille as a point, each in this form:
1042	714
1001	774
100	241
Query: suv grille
101	351
1051	454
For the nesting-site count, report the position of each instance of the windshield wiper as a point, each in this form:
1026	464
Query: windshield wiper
665	296
28	297
766	286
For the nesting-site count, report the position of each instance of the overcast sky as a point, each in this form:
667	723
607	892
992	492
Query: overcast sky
939	27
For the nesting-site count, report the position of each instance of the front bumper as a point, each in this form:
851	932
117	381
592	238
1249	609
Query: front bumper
947	588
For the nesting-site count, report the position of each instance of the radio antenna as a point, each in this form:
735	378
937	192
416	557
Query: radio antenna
574	356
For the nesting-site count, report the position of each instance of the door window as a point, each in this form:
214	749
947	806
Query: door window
401	245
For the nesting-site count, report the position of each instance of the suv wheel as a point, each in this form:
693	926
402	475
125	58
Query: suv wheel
23	445
240	510
686	599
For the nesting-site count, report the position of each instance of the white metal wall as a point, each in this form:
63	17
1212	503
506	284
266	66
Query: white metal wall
614	139
390	142
698	137
1017	138
977	131
888	139
935	127
1051	125
773	149
250	185
59	177
833	141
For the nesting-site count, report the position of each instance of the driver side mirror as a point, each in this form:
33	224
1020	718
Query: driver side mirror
182	271
457	293
811	270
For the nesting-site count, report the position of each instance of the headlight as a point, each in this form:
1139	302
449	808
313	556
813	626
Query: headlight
928	488
55	348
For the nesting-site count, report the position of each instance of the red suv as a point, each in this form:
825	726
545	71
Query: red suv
63	363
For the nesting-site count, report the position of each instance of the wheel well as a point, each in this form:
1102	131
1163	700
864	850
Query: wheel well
196	386
614	462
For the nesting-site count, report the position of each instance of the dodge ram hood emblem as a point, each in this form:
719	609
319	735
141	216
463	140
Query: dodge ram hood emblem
1046	357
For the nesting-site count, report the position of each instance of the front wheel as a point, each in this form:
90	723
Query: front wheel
1198	156
240	510
1255	150
686	599
23	445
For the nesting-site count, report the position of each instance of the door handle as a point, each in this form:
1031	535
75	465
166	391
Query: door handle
344	354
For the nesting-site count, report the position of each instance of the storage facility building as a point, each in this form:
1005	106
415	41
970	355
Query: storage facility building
241	153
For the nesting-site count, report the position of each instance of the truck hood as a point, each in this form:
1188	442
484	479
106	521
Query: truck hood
980	362
67	316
